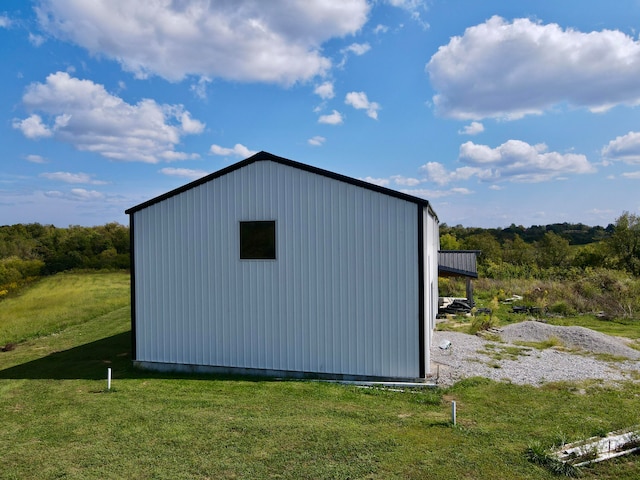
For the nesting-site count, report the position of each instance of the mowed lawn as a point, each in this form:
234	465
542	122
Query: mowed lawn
57	420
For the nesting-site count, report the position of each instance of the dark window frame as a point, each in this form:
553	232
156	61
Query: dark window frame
258	240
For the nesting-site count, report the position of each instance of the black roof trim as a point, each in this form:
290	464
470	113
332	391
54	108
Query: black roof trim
265	156
456	272
477	252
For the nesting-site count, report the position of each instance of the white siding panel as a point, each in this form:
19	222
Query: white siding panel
431	247
340	298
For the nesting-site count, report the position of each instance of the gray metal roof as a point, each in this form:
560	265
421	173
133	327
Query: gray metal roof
458	263
265	156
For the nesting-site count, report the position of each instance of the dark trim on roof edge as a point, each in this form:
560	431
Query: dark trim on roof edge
421	299
478	252
266	156
456	273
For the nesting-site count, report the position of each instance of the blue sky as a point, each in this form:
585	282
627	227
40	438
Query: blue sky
497	112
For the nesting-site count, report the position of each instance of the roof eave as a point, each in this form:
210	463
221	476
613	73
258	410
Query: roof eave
266	156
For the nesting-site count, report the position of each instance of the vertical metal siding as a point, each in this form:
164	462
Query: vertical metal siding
341	297
430	265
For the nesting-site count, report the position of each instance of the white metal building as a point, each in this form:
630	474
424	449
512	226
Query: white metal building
274	267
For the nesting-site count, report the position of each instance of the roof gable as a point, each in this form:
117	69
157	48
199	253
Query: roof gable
265	156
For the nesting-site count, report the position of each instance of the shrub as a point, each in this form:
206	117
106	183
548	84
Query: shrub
562	308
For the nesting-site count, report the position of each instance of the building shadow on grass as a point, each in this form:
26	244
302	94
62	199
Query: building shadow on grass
89	361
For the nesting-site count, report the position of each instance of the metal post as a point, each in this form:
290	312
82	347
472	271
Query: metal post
453	412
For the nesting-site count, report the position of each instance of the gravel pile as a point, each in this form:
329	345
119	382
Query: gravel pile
469	356
571	337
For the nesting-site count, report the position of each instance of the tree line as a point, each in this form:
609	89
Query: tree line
31	250
558	250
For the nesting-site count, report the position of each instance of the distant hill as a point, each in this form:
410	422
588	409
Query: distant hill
574	233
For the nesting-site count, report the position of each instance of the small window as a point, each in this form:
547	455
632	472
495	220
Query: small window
258	240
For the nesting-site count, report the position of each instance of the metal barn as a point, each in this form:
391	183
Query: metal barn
274	267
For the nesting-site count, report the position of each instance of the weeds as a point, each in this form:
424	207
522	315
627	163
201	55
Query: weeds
482	323
504	352
614	292
551	342
539	455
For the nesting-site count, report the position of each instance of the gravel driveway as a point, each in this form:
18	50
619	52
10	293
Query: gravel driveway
585	354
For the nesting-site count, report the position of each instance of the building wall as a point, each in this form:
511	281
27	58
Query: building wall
432	246
341	297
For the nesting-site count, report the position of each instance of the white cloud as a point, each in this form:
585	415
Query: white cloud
395	180
188	124
473	128
520	161
414	7
381	182
171	156
64	208
200	88
239	40
82	194
625	148
405	181
69	177
359	101
632	175
334	118
36	40
238	150
76	194
5	22
514	161
316	141
85	115
32	127
380	29
437	173
325	90
461	191
36	159
357	48
511	69
429	194
184	172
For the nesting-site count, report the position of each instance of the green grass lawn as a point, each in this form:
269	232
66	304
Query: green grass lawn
57	302
58	421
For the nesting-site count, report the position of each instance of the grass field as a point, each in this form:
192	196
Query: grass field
58	421
55	303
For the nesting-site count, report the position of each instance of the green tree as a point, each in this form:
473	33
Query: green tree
553	251
624	243
518	252
448	241
487	244
593	255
